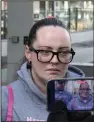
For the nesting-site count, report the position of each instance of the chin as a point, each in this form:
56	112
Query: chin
50	76
53	77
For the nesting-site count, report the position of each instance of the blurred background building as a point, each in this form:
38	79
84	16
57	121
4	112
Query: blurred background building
77	15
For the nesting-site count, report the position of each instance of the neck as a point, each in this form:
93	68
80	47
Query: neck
83	98
41	84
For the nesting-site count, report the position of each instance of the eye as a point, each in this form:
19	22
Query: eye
45	52
64	53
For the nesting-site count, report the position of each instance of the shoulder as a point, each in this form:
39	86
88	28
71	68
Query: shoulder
68	93
16	87
4	93
74	99
4	102
16	84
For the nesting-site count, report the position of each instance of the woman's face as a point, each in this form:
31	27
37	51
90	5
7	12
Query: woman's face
84	91
52	39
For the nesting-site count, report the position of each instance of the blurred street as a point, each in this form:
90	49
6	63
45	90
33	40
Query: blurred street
84	52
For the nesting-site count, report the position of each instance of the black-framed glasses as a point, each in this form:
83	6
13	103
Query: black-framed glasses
85	89
46	56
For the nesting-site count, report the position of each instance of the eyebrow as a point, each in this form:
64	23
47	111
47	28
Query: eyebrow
64	48
60	48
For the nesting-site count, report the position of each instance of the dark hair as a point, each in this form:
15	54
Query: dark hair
41	23
82	84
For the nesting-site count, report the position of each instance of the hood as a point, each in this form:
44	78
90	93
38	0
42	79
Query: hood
26	77
74	72
85	101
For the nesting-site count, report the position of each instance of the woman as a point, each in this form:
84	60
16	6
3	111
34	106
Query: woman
49	57
84	100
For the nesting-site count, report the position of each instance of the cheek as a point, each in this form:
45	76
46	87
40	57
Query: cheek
64	67
36	65
83	94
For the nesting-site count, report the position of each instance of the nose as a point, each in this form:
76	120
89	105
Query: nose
54	59
85	91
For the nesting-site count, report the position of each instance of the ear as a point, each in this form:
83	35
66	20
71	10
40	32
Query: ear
27	53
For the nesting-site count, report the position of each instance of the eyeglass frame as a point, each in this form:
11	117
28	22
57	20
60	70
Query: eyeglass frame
54	53
85	89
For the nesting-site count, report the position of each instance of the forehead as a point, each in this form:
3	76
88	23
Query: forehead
53	36
84	85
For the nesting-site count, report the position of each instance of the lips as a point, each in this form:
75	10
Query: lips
54	70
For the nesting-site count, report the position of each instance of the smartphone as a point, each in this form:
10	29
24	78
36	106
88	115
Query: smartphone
76	93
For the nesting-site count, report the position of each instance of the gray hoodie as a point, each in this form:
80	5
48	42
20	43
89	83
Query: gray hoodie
29	101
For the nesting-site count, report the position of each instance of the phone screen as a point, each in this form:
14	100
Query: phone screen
77	94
